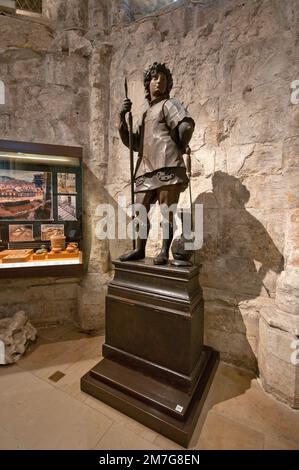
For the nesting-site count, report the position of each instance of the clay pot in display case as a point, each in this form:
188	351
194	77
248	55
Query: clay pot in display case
72	247
57	243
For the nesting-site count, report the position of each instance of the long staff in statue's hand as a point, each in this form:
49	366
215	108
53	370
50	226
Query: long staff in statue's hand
189	173
131	163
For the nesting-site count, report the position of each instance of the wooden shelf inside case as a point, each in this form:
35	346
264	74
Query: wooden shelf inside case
63	255
41	266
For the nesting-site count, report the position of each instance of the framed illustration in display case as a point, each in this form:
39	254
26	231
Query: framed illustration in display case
21	233
66	207
66	183
40	203
48	230
25	195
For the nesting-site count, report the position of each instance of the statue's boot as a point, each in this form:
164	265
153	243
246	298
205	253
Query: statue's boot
139	252
163	256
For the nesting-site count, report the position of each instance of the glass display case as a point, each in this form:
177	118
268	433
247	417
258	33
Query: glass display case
40	210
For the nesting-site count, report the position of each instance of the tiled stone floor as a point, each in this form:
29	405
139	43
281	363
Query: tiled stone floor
37	413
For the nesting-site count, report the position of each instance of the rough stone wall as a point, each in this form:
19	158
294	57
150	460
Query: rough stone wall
46	301
145	7
47	91
233	64
70	14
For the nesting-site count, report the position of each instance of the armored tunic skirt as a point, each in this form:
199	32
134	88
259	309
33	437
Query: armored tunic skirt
160	158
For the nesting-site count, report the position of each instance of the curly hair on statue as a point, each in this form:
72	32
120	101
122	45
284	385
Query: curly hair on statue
151	71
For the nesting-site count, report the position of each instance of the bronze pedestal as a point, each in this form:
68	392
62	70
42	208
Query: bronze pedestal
155	367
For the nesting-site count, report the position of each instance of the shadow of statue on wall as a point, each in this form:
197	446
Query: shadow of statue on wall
239	262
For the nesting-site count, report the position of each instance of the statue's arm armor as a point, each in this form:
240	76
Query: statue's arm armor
179	121
185	131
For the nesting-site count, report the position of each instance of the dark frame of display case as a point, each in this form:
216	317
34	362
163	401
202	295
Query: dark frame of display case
72	228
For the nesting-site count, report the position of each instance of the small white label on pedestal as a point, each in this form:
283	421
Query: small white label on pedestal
2	352
179	408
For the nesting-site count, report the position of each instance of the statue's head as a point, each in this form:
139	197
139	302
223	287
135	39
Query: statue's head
154	71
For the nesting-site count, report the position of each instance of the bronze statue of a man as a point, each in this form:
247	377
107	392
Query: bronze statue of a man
161	141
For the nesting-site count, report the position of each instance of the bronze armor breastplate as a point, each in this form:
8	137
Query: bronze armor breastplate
159	148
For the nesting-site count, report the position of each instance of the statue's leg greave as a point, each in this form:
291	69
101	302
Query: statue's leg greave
167	229
139	252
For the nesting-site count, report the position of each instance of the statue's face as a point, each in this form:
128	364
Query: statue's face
158	85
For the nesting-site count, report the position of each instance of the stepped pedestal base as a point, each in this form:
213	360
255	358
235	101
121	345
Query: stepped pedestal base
161	407
155	367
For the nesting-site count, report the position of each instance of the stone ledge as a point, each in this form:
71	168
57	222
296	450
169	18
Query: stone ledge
279	375
276	318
